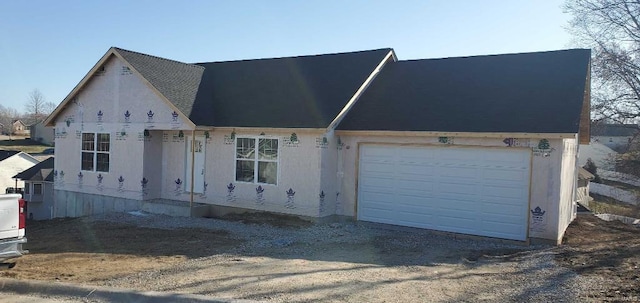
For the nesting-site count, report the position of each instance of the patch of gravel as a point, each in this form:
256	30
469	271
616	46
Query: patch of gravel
464	269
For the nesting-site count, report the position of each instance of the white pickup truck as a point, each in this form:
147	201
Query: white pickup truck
12	228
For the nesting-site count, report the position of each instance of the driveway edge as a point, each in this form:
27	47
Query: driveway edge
101	294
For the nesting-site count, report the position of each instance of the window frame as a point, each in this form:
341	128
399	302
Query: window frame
95	151
34	189
256	161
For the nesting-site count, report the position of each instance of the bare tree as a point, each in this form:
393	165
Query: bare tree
7	116
37	108
611	28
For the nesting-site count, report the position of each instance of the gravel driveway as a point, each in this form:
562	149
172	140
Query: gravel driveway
356	263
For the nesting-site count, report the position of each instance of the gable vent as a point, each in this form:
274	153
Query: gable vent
126	71
100	71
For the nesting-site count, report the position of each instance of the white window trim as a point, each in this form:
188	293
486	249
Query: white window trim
95	152
255	160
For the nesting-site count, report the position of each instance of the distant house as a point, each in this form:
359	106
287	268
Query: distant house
20	129
583	186
38	189
11	163
615	136
41	133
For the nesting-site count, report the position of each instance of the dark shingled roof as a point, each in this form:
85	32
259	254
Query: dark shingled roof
614	130
305	91
525	93
42	171
7	153
298	92
177	81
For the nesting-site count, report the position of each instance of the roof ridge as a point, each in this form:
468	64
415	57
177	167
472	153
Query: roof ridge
301	56
156	57
498	55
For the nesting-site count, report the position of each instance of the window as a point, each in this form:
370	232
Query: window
95	152
257	163
37	188
26	188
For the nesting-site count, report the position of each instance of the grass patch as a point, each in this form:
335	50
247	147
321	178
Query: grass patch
607	205
25	145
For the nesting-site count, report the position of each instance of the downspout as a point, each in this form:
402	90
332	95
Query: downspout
193	157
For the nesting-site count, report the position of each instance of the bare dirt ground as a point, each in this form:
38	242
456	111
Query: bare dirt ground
79	250
607	251
278	259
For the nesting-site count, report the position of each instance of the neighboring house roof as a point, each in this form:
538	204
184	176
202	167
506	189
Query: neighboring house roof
539	92
4	154
584	174
614	130
42	171
298	92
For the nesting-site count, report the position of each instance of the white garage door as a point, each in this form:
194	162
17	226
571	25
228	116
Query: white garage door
478	191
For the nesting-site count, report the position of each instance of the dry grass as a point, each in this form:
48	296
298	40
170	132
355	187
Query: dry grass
25	145
606	205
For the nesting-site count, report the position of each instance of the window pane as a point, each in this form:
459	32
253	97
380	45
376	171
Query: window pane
102	162
103	142
26	188
88	141
37	189
268	149
244	170
87	161
245	148
268	172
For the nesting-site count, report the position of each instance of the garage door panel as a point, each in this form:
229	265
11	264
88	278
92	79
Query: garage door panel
510	208
502	191
380	167
502	174
476	191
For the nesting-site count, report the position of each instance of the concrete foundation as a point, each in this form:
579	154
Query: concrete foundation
75	204
175	208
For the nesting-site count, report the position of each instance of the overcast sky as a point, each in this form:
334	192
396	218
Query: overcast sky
51	45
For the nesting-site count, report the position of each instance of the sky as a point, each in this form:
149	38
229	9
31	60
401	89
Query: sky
51	45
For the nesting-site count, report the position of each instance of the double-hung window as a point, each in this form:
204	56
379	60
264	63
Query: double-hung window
95	152
257	160
37	188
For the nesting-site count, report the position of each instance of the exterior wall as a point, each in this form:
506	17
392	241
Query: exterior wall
40	207
568	186
545	174
152	165
42	134
298	169
13	165
105	106
330	177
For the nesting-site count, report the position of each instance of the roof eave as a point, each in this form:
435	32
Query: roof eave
395	133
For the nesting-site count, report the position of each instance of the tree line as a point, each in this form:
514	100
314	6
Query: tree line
36	110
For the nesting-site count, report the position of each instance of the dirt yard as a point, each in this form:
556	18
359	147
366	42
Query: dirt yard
280	260
609	251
